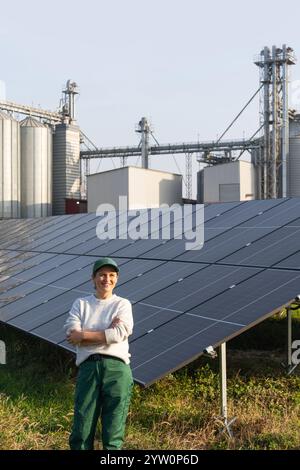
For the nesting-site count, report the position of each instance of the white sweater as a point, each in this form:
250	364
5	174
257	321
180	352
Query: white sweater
91	313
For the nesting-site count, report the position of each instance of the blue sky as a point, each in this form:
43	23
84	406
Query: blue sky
186	65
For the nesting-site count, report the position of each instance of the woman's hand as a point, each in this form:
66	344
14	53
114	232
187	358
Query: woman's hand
115	322
75	337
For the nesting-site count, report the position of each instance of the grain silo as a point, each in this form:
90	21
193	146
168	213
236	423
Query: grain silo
10	195
36	169
66	166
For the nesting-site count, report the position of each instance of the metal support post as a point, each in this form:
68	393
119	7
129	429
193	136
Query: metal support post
223	389
289	338
285	125
144	129
274	154
290	366
266	158
189	175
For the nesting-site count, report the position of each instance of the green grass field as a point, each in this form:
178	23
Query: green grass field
179	412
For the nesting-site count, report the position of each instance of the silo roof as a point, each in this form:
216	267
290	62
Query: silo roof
5	116
30	122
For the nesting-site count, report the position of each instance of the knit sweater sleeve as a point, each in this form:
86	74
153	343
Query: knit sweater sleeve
124	328
73	321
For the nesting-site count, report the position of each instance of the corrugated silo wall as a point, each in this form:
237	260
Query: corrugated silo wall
36	166
66	166
10	167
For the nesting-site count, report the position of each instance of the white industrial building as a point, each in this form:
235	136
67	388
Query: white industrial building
144	188
226	182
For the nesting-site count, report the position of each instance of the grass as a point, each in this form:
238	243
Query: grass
178	412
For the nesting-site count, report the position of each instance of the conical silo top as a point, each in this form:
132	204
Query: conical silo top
6	116
30	122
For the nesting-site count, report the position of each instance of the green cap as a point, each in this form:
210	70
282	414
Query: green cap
105	262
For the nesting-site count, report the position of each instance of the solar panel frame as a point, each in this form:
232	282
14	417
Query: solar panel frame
171	308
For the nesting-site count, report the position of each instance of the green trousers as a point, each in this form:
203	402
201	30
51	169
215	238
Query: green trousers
103	389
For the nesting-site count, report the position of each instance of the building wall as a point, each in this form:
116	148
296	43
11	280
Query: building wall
247	182
221	181
227	173
152	188
105	188
144	188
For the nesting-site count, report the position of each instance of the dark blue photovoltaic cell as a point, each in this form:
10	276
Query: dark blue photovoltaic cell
52	331
146	318
294	223
86	245
180	341
67	268
60	243
184	338
33	230
44	313
157	280
49	241
36	230
111	247
41	268
268	250
243	213
225	244
183	301
248	300
132	269
292	262
282	213
215	210
200	287
15	267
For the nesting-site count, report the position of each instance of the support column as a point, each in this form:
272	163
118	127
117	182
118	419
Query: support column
223	389
285	125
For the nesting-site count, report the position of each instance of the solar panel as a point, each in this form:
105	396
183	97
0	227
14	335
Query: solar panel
200	286
176	344
43	314
53	330
183	301
292	262
158	279
268	250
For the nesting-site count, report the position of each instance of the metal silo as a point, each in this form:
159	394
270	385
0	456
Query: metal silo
293	163
36	169
66	166
9	167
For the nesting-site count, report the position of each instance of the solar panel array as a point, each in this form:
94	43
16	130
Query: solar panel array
183	301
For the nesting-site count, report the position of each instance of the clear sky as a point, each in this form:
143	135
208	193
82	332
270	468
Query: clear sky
186	65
